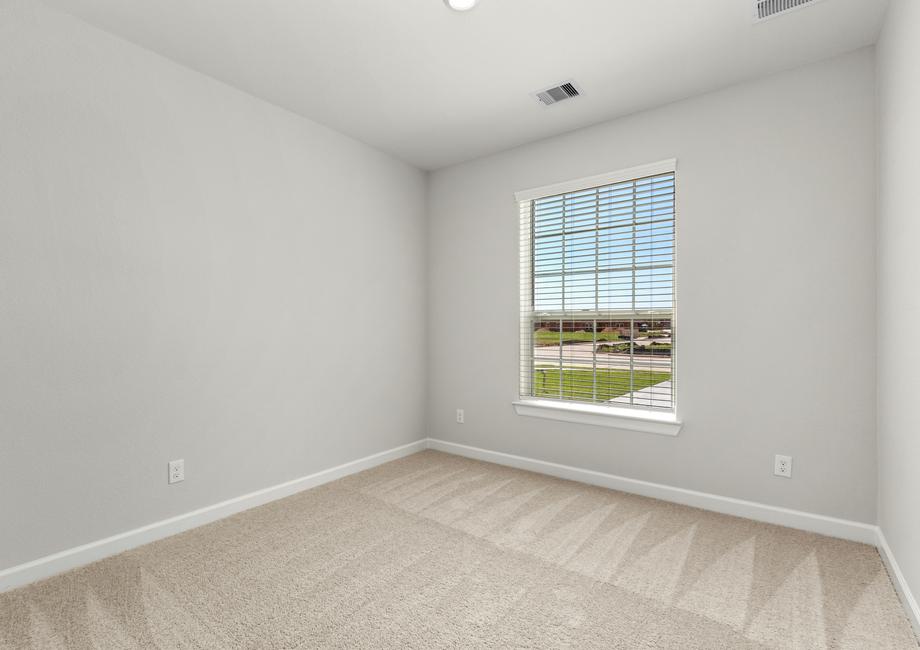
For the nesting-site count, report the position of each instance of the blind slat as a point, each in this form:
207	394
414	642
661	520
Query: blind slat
597	294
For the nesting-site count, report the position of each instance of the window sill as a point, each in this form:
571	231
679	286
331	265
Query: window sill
665	424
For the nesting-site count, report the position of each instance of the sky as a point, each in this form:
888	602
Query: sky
609	248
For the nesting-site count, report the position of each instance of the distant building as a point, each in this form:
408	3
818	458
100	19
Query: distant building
622	327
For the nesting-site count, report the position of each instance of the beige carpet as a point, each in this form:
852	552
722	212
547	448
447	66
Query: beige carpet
439	551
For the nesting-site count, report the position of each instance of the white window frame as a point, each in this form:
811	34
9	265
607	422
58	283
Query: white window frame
635	419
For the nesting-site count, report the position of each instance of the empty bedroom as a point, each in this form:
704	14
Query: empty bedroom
459	324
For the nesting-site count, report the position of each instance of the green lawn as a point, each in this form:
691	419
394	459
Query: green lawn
545	337
577	383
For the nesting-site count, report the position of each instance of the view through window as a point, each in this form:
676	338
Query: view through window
597	294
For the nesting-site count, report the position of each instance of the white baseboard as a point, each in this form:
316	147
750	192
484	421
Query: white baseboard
900	583
831	526
50	565
78	556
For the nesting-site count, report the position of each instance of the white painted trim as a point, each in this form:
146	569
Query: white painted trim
665	424
831	526
900	582
578	184
50	565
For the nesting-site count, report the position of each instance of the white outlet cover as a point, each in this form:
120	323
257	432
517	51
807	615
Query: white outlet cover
176	471
459	416
782	466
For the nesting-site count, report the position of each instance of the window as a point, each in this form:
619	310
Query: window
597	291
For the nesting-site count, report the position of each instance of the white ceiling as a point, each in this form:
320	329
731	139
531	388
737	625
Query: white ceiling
435	87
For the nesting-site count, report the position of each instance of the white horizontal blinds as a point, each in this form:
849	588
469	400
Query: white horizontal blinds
597	294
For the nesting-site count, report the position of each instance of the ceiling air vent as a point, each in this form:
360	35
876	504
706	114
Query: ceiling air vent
557	94
764	9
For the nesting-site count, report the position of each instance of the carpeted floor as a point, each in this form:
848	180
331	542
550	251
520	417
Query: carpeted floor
440	551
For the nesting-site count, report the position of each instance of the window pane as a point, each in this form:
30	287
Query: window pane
601	294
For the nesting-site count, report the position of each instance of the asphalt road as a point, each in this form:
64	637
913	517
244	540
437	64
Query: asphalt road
581	354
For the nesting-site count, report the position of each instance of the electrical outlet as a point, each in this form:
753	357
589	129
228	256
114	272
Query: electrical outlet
782	466
176	471
459	416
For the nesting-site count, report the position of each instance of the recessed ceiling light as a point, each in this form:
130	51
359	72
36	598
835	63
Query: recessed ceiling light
461	5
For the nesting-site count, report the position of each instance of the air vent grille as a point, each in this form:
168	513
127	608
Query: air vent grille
556	94
764	9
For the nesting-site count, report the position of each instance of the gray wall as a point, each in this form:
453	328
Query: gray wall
898	297
775	291
186	272
189	272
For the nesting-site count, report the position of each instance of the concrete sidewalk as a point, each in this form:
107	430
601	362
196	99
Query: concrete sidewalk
658	395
